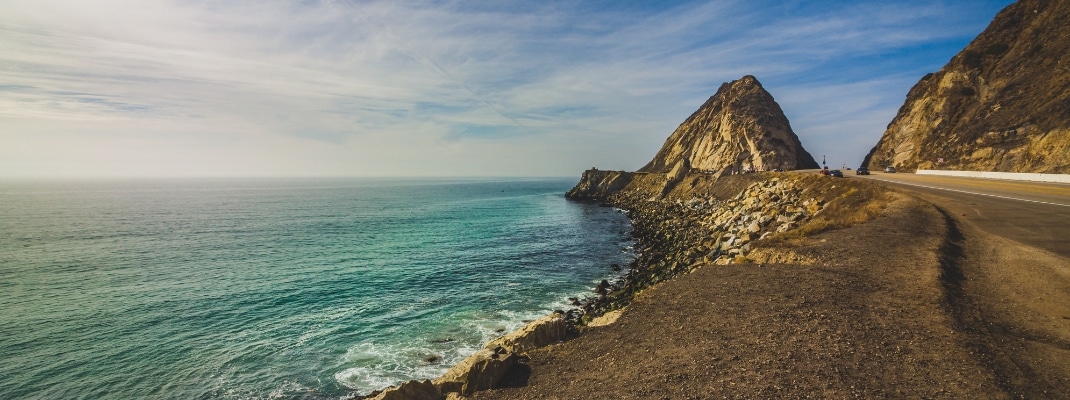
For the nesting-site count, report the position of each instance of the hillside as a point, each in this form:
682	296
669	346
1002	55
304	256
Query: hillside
1002	104
740	127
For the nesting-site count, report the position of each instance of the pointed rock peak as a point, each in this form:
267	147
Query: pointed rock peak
746	80
740	127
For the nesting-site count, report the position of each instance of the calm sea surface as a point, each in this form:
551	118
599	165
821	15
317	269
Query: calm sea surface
278	288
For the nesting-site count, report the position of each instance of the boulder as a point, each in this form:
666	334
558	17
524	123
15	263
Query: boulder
541	332
754	227
480	371
411	390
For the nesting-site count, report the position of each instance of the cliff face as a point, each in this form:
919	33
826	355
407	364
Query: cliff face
596	185
1002	104
739	127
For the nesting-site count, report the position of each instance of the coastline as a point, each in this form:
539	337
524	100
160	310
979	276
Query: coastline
532	333
713	221
864	296
817	327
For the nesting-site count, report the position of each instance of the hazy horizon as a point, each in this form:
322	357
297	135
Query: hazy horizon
181	89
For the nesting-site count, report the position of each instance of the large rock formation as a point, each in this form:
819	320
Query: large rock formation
480	371
411	390
544	331
1002	104
596	184
739	127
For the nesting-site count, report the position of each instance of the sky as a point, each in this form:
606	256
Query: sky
265	88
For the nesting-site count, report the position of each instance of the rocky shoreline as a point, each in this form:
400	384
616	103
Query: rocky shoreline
681	233
698	221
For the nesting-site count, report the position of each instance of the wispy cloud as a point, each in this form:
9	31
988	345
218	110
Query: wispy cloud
438	87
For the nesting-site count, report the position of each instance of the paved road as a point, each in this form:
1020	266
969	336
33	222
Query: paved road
1010	303
1031	213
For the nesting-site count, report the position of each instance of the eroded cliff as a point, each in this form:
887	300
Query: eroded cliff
1002	104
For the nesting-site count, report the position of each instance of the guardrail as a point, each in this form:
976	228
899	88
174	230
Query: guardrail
1014	176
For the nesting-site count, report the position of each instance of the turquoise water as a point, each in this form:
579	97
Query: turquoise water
272	288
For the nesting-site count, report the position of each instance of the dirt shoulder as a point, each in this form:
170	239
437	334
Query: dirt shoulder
866	315
1012	304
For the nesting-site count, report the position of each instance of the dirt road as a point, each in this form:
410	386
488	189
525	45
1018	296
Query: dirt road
1010	292
905	306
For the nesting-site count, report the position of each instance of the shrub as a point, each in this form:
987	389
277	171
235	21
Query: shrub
996	49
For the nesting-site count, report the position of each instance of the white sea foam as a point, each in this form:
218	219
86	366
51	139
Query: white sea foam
383	365
314	286
379	365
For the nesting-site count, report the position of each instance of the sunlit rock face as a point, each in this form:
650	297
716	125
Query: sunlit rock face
740	127
1002	104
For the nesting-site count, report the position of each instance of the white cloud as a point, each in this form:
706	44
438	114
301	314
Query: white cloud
434	88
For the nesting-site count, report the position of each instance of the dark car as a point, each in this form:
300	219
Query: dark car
824	171
862	171
836	173
889	169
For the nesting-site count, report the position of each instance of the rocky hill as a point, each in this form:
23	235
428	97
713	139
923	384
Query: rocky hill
739	127
1002	104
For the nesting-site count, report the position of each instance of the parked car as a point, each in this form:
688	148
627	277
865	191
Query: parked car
862	171
889	169
824	171
836	173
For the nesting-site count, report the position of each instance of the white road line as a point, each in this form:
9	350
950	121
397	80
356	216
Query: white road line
979	194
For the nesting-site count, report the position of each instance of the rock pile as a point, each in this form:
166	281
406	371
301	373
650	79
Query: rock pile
677	236
765	208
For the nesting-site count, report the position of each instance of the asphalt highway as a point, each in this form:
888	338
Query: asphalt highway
1032	213
1012	303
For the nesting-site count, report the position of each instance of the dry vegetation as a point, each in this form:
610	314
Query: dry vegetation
847	202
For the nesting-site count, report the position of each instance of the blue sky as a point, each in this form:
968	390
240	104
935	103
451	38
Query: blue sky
440	88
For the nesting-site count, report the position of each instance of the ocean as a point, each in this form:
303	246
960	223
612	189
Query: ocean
279	288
